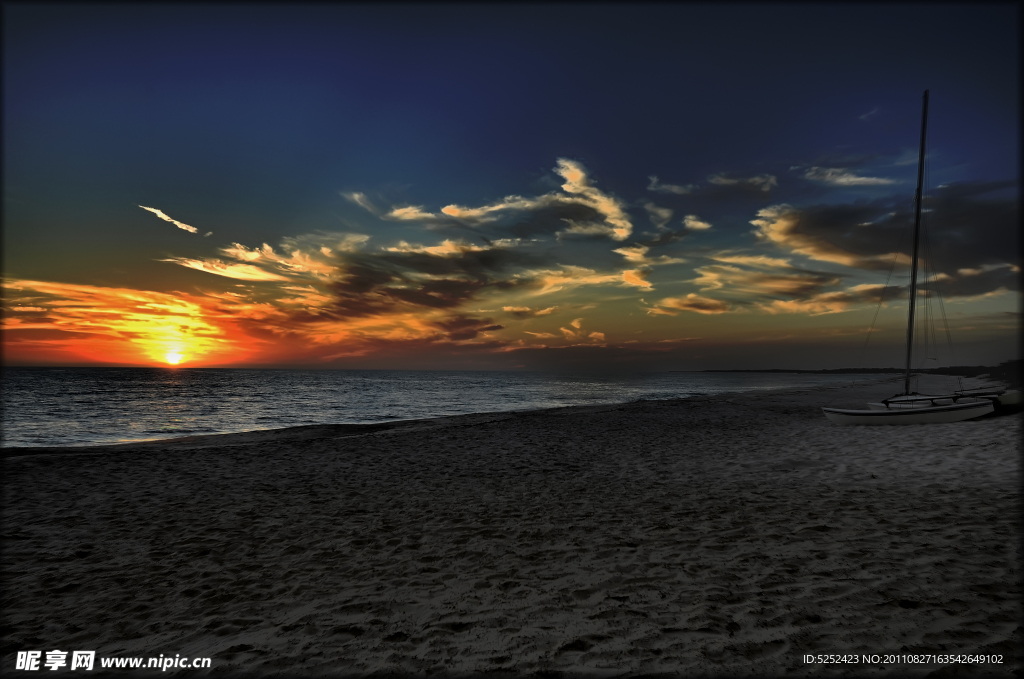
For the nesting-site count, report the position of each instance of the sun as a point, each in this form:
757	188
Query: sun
173	358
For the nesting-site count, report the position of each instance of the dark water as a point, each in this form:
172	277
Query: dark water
80	406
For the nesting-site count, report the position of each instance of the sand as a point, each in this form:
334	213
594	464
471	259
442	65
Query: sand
720	536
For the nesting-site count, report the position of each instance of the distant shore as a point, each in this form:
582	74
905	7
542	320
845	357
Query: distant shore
1008	371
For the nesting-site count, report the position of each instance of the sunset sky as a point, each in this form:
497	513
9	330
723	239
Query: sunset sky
663	187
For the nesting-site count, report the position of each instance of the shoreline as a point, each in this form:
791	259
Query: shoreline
712	536
301	432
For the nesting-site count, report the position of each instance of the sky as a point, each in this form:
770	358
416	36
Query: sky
489	186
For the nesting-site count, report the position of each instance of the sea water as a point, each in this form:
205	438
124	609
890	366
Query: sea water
87	406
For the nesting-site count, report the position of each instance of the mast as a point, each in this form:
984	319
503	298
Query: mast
917	235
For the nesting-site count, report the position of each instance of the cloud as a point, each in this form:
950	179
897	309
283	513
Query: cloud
763	182
75	323
180	225
410	213
411	276
244	272
691	302
447	248
491	213
307	255
968	225
105	324
293	261
578	184
362	201
833	302
325	242
760	261
599	336
636	278
460	328
660	216
590	210
541	335
694	223
637	254
907	157
527	312
838	176
985	268
795	284
577	323
872	112
828	233
571	276
668	188
633	253
975	283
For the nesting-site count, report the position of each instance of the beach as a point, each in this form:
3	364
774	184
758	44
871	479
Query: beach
718	536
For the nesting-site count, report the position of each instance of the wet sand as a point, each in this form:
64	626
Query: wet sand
716	536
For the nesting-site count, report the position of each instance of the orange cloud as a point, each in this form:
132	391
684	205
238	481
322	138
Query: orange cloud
527	312
447	248
243	272
115	325
578	190
573	276
692	302
783	226
180	225
735	279
635	278
828	302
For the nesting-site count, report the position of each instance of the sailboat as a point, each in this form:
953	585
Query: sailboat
909	407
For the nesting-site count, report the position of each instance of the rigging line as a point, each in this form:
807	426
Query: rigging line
926	233
878	307
881	298
949	339
924	291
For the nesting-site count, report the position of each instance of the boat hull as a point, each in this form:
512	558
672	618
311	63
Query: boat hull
955	412
896	405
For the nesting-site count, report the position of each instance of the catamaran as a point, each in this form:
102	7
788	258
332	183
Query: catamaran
909	407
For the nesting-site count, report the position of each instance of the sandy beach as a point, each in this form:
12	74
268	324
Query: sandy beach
718	536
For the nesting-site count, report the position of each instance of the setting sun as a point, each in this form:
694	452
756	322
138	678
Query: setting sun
173	358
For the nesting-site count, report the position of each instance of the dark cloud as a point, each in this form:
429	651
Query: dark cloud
474	263
712	197
695	303
523	312
374	284
799	285
972	224
965	228
969	285
358	291
465	327
850	160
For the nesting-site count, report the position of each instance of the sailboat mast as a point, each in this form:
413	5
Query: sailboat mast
917	237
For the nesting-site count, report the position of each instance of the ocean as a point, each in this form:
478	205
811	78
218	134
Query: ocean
90	406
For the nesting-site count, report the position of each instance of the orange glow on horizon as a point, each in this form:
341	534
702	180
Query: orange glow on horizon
118	325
